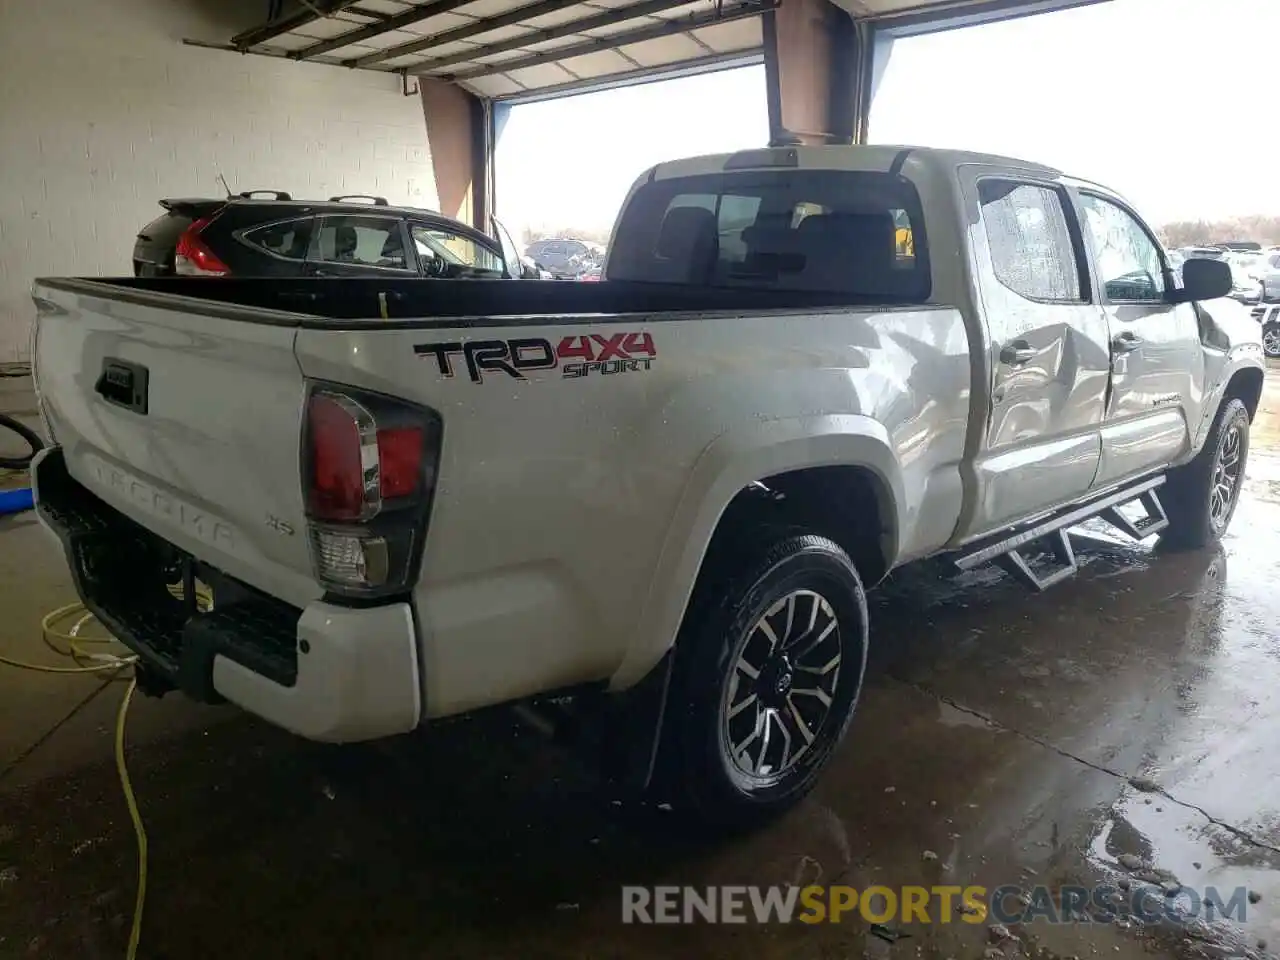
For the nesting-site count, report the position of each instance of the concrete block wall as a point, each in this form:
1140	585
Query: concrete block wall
103	111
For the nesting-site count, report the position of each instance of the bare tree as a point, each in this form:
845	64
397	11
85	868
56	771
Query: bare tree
1191	233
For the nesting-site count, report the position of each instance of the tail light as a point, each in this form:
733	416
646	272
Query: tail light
369	471
193	258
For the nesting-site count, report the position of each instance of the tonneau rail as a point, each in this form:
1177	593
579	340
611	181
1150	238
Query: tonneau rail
362	303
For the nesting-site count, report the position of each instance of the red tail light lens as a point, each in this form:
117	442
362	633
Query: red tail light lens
193	258
368	467
337	489
400	461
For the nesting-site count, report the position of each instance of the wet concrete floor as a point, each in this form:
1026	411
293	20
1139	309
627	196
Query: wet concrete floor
1123	725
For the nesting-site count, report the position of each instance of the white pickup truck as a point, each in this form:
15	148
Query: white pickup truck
666	492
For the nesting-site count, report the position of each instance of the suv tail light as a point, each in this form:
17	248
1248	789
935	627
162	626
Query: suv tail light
193	258
369	471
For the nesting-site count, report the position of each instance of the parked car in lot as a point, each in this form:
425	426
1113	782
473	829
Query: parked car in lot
667	492
251	236
1203	253
532	271
1249	260
1245	287
1268	317
1267	272
564	259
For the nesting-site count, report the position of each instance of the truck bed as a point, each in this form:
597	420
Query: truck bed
443	302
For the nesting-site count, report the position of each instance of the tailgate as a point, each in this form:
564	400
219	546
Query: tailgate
186	417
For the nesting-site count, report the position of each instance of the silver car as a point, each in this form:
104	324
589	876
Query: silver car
563	259
1268	274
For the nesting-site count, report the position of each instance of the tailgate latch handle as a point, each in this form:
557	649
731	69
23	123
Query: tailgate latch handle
123	384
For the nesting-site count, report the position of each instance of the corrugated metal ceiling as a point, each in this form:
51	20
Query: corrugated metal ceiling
516	48
498	48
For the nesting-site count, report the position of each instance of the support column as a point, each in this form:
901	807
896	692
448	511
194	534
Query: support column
458	134
813	56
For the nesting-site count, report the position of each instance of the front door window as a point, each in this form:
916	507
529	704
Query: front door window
1129	264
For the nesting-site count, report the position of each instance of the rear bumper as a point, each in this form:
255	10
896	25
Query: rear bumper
325	672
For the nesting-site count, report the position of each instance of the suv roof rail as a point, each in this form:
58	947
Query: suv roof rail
377	201
274	194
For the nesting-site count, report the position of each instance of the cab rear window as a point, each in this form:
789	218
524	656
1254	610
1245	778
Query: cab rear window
859	234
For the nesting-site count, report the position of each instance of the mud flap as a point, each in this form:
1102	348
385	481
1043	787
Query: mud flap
634	728
617	734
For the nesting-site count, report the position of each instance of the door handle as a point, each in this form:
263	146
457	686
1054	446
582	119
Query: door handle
1126	342
1017	353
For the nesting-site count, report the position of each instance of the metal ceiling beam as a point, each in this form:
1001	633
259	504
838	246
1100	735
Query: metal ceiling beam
300	18
628	78
606	18
483	25
375	15
408	18
941	15
653	32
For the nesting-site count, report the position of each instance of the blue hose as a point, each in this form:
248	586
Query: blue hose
15	501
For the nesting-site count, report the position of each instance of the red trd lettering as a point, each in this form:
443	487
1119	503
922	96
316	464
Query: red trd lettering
612	347
578	348
640	343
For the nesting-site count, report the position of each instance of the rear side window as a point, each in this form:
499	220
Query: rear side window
366	241
288	240
820	231
1032	251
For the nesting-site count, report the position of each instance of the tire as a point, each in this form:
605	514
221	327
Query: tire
785	597
1198	506
1271	339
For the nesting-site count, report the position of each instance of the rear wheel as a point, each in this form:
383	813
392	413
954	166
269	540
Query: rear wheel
1200	497
768	675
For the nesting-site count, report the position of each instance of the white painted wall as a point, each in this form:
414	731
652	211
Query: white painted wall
103	111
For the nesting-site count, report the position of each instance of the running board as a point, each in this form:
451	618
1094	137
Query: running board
1050	536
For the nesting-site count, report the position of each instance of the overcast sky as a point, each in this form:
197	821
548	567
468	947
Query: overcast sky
569	163
1167	101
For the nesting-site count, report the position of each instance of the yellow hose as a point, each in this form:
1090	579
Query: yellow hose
77	649
86	661
135	931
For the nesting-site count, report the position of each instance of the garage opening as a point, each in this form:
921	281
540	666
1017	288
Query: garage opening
563	166
1151	97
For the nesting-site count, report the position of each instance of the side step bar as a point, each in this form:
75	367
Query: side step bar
1050	536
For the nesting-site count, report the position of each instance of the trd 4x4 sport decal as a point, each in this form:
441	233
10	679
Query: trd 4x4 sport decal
573	356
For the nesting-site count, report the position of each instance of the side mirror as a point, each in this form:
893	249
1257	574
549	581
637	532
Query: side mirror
1203	280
